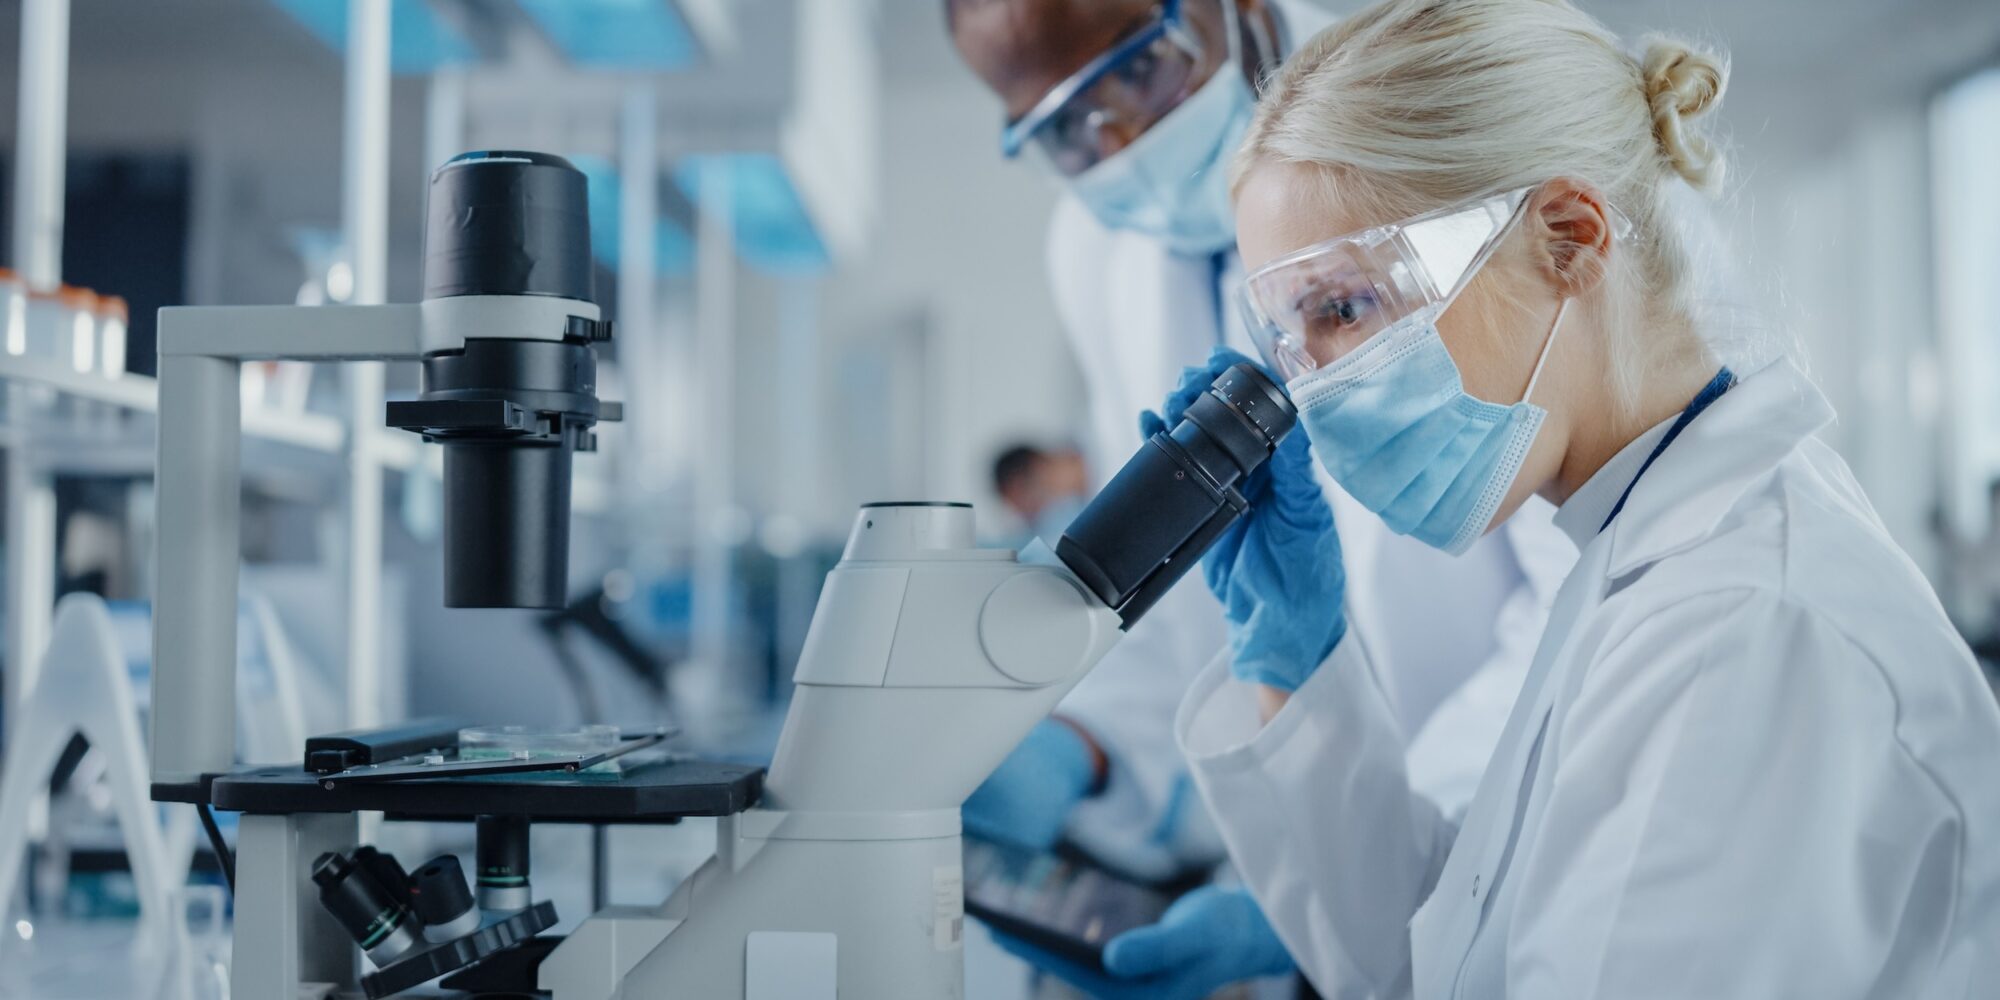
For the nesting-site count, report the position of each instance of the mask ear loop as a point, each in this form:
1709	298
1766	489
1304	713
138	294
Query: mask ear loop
1561	310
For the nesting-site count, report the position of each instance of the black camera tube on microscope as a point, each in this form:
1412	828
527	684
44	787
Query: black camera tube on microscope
1154	520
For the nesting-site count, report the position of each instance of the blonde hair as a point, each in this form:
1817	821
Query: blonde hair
1417	104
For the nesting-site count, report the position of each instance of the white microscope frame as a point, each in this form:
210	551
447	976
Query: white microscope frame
928	659
284	940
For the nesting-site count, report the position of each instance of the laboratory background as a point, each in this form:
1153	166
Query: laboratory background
821	285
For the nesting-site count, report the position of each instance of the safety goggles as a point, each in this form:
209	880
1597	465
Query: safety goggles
1123	91
1316	305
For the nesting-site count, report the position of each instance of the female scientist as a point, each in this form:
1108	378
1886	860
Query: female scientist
1751	758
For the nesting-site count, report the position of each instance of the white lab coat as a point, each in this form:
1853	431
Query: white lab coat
1135	315
1751	759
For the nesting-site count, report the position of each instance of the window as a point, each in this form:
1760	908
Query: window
1965	128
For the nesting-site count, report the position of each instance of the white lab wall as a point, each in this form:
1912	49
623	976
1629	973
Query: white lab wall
1839	229
1829	205
1845	237
959	259
256	108
829	132
1965	149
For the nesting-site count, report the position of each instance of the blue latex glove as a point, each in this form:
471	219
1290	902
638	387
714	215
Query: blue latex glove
1277	570
1026	801
1209	938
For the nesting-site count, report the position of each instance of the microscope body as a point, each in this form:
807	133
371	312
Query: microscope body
928	659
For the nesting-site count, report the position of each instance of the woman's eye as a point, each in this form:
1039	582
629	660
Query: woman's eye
1069	127
1139	69
1344	310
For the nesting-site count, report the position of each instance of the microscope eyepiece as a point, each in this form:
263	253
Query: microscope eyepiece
1252	395
1175	497
1234	426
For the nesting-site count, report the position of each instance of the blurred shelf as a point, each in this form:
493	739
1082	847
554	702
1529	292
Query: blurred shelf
86	423
135	392
403	451
140	393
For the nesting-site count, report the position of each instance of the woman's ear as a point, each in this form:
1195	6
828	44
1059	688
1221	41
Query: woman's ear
1571	226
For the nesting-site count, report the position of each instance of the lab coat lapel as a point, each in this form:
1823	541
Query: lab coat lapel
1442	932
1721	454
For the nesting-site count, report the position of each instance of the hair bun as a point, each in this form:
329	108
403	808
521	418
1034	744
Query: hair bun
1681	84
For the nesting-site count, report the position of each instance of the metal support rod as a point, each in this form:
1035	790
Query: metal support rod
639	338
40	147
199	501
41	142
715	353
600	867
364	223
194	599
31	558
797	452
284	939
444	118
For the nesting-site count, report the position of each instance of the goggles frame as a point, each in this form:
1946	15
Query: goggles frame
1167	22
1398	261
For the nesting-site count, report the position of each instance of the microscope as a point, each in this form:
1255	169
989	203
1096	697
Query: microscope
837	872
505	334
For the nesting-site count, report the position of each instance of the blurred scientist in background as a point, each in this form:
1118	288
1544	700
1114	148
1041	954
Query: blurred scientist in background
1045	488
1136	106
1978	572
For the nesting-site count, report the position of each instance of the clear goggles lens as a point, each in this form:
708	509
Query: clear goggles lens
1102	107
1317	305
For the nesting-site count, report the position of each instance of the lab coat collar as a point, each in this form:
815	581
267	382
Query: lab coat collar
1720	455
1583	514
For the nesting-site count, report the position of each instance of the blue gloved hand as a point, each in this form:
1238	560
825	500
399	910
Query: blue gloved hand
1026	801
1209	938
1277	570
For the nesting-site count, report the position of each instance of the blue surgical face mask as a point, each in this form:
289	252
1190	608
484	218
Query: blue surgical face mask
1393	425
1172	182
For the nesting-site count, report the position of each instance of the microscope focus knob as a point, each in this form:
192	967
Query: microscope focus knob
1032	629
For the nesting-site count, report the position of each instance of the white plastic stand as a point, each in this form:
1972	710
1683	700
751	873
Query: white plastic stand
84	687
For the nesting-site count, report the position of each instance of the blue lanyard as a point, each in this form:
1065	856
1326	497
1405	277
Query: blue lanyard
1723	381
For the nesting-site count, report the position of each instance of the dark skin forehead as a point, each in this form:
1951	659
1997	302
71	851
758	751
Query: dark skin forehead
1023	48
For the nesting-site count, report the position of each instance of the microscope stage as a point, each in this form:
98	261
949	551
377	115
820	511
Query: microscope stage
654	792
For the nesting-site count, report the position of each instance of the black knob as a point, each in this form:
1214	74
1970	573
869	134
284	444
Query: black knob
444	900
381	925
388	872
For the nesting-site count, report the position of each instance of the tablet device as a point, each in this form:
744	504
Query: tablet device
1060	902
